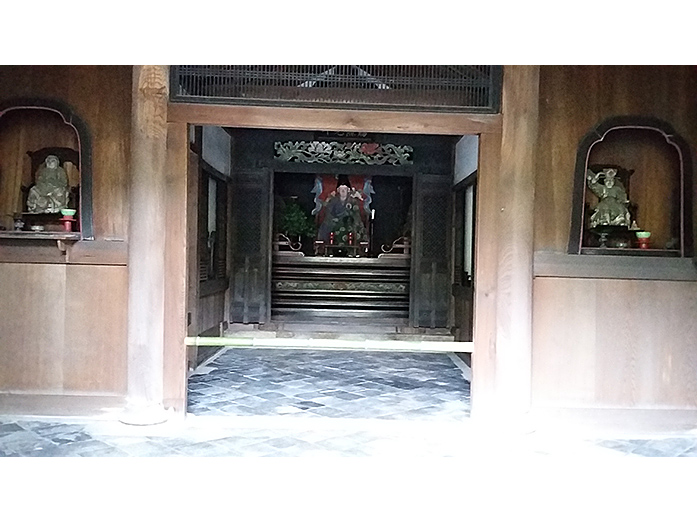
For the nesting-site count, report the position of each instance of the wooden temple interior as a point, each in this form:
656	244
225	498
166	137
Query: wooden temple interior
478	231
372	270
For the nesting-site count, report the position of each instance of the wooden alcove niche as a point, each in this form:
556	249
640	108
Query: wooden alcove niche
30	129
655	165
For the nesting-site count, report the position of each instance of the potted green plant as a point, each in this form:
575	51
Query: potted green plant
295	222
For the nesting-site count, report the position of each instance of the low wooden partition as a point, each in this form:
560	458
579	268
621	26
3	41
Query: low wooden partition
331	289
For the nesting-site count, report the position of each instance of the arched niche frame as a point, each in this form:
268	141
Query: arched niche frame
84	140
660	133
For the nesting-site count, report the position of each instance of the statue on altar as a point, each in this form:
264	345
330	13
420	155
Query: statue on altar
342	216
51	191
613	204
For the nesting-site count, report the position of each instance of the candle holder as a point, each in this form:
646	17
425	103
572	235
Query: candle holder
643	239
67	219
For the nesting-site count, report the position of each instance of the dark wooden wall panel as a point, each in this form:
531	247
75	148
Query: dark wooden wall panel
53	339
614	343
95	329
251	257
211	311
32	327
573	99
430	294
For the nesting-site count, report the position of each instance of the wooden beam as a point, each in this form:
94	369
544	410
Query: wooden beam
293	118
485	275
146	250
192	300
97	252
176	277
556	265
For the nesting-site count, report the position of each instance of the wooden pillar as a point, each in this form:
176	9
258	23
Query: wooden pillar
146	245
179	210
485	274
503	330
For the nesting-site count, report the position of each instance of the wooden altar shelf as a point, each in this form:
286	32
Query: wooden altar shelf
40	235
613	251
59	237
341	290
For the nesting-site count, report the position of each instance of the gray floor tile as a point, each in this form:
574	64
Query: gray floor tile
23	442
8	428
203	449
148	449
76	449
315	383
689	453
109	453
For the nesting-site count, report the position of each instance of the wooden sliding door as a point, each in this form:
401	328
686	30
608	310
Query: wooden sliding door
431	236
251	250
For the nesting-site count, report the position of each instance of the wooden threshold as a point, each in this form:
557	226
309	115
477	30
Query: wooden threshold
333	344
27	404
297	118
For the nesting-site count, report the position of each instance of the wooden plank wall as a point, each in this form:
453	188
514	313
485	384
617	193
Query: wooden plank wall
607	342
615	343
211	311
65	328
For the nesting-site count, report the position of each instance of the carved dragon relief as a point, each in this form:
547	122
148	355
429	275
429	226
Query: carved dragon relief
346	153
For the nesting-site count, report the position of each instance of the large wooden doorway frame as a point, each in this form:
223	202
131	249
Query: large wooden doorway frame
502	359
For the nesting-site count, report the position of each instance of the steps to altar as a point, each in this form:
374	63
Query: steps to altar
343	290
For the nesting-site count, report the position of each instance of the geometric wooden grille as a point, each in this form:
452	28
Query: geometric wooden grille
435	226
249	203
451	88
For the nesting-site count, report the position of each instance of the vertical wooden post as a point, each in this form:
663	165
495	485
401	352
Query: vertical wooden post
192	203
146	245
506	290
177	240
515	251
485	274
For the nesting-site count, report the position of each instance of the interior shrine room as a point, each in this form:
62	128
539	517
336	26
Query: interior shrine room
537	221
339	260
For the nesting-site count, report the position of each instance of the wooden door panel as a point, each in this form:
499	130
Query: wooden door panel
251	249
431	274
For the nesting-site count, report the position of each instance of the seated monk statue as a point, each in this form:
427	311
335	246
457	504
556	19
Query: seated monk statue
51	191
342	216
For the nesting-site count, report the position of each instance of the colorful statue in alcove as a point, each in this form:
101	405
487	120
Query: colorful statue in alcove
342	216
51	191
613	204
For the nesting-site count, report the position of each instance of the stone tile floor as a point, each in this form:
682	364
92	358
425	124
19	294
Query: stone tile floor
330	384
259	403
264	436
